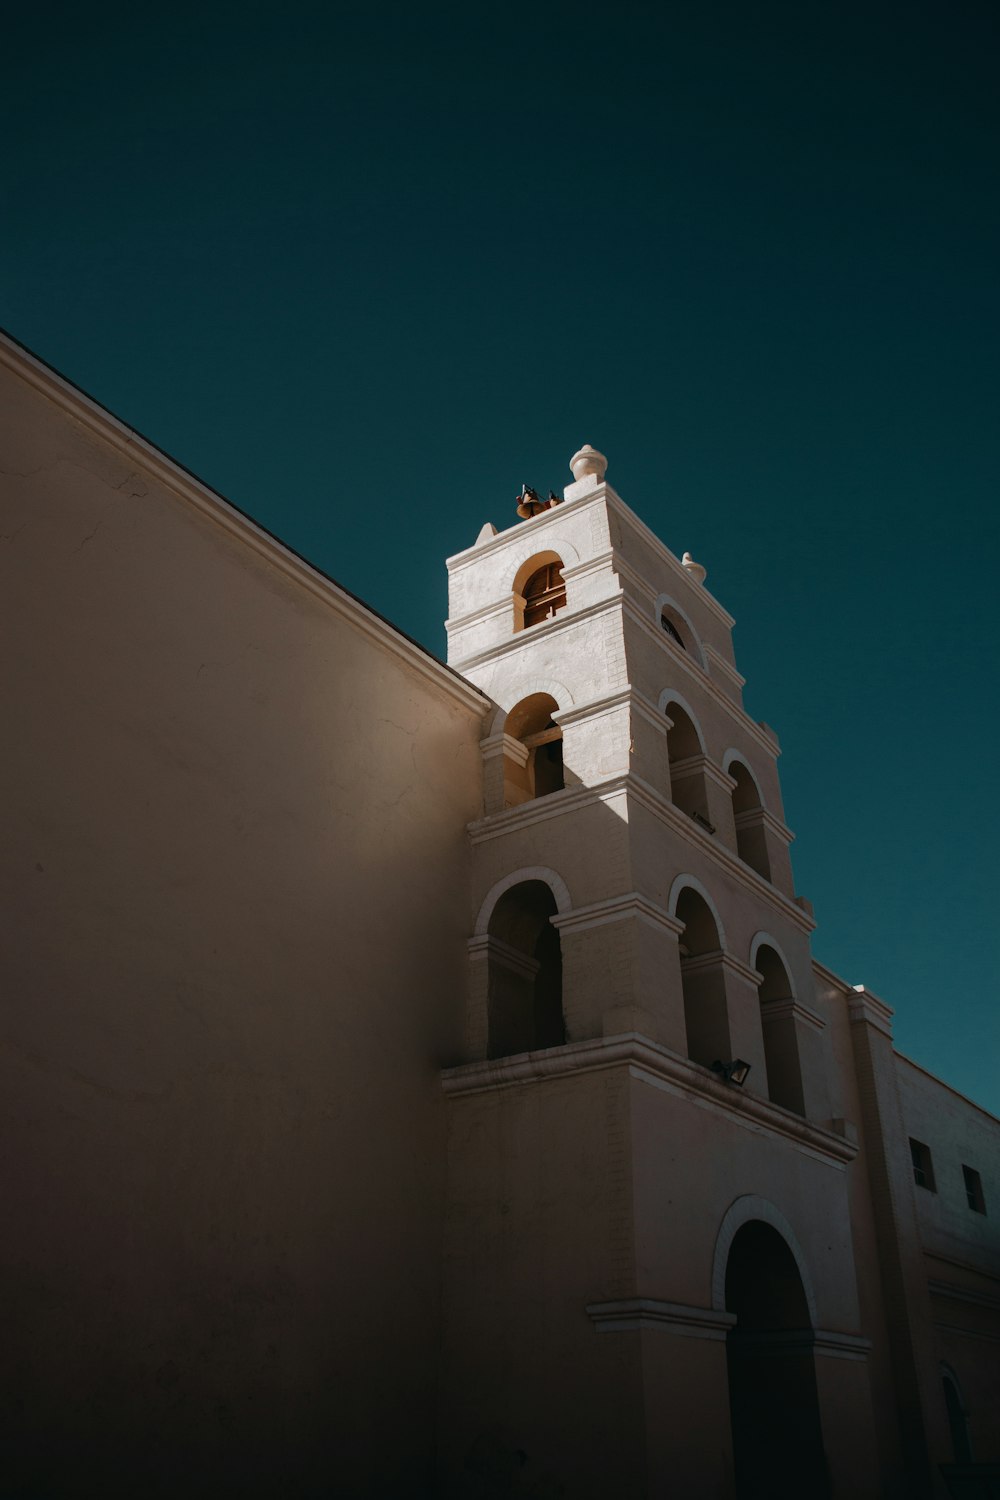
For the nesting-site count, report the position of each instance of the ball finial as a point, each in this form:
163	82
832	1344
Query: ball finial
698	573
588	461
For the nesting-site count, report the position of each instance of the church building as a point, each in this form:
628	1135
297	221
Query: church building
417	1079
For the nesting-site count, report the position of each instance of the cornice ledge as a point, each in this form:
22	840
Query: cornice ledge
601	562
698	675
615	909
865	1008
476	616
649	1059
689	830
520	638
631	1313
779	1009
541	809
756	817
594	708
615	502
726	668
470	555
955	1293
826	1341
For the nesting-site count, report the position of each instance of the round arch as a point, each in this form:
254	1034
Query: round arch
549	685
737	755
744	1211
668	602
566	557
682	883
765	940
670	696
555	883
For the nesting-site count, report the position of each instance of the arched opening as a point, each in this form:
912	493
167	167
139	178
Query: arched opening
533	758
687	766
525	972
773	1402
672	629
539	590
958	1418
751	840
703	983
781	1048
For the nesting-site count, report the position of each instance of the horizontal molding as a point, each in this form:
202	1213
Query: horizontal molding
968	1333
653	1063
601	562
617	909
956	1293
725	668
524	639
628	784
536	525
655	802
780	1342
480	616
632	1313
865	1008
780	1010
541	809
594	708
759	817
701	678
674	564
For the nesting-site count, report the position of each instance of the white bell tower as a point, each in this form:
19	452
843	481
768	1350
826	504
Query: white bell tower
622	774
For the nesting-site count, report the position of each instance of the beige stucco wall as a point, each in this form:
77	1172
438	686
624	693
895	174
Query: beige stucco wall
234	906
961	1247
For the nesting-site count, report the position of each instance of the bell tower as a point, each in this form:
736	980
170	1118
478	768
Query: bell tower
622	775
646	1064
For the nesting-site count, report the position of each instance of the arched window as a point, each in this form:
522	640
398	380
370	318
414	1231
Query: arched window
525	972
773	1400
533	766
688	789
678	628
706	1017
781	1049
544	594
670	629
539	590
958	1417
751	840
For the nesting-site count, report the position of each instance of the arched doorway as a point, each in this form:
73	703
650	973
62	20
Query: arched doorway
773	1402
525	972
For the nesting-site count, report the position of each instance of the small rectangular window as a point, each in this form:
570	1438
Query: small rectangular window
974	1190
923	1168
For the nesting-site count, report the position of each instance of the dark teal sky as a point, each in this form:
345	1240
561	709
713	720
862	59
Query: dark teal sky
366	268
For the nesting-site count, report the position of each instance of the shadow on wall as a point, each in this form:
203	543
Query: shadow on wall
525	972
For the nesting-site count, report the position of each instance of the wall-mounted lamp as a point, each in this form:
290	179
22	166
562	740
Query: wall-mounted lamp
733	1072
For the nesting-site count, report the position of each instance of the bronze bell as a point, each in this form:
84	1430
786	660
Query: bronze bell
528	503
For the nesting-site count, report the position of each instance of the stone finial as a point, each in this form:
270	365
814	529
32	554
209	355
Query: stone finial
588	461
698	573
